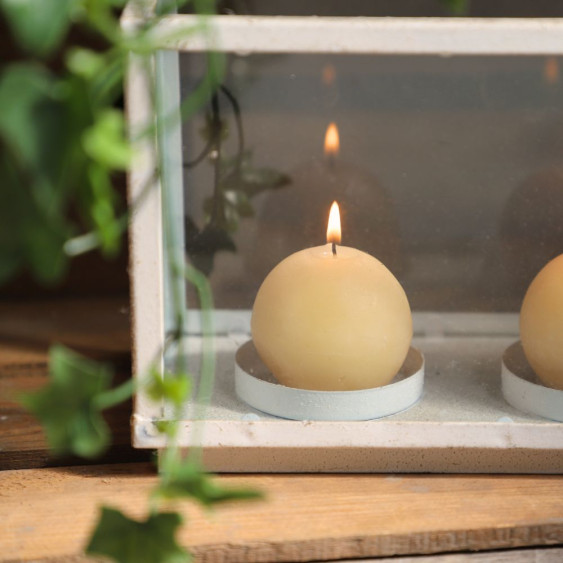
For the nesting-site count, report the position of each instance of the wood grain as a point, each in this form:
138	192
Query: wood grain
538	555
551	555
50	512
98	328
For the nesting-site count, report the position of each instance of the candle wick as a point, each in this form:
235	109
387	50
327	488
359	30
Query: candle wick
334	249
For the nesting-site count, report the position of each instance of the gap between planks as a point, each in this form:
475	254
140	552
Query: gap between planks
538	555
49	513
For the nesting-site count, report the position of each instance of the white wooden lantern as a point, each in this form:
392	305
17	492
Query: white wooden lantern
457	119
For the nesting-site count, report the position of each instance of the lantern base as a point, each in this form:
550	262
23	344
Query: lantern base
257	387
523	389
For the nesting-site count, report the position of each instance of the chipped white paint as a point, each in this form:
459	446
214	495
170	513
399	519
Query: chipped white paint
414	36
378	435
145	251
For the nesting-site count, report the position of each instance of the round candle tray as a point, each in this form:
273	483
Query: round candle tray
257	387
523	390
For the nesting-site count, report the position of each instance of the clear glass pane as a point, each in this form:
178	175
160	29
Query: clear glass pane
449	171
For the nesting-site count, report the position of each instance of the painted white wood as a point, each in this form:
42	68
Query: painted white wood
471	429
146	266
379	434
136	11
415	36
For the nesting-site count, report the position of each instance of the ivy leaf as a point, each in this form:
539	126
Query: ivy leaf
214	129
39	26
105	141
27	236
100	207
34	128
241	203
131	541
13	212
45	250
34	138
456	7
67	406
253	181
174	388
166	426
84	62
187	479
201	246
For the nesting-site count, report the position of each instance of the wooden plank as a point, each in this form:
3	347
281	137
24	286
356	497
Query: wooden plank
542	555
49	513
98	328
89	275
22	443
538	555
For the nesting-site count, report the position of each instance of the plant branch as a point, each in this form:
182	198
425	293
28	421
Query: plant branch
218	211
207	375
114	396
201	156
238	121
91	240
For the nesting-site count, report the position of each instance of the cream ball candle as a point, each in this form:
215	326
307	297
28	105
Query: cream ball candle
332	318
541	324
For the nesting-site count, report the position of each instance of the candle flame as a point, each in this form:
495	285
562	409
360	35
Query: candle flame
329	74
333	232
332	141
551	70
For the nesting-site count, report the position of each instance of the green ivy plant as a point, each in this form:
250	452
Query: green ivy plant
70	407
236	182
127	540
62	141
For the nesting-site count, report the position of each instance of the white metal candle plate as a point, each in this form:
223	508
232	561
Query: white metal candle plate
523	390
256	386
462	423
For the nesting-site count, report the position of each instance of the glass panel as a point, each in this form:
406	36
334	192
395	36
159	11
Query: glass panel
449	171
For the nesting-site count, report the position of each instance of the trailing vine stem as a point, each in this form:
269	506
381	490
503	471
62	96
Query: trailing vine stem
218	212
178	269
207	371
215	136
238	121
116	395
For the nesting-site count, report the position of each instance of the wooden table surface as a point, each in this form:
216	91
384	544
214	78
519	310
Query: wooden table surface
48	506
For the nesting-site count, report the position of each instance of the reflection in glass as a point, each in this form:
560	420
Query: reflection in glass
448	170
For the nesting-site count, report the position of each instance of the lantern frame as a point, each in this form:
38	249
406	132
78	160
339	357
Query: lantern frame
251	443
